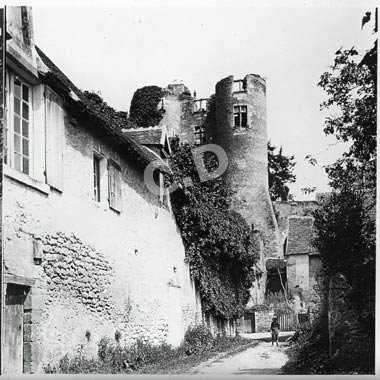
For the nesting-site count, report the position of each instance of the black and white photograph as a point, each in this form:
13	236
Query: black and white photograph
188	188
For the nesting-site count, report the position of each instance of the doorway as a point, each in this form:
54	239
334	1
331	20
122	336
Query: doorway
13	343
249	323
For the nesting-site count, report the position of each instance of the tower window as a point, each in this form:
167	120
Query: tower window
239	85
240	116
199	135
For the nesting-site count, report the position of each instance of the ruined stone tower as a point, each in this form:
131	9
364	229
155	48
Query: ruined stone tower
235	119
241	130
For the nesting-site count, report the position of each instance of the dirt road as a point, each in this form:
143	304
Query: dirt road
262	359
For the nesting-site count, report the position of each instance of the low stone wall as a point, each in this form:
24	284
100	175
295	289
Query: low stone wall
263	319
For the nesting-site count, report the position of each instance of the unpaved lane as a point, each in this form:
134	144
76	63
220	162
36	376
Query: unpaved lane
262	359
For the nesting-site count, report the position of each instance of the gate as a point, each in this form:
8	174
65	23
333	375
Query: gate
287	321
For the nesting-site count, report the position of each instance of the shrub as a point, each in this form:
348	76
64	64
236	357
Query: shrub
309	349
142	356
198	339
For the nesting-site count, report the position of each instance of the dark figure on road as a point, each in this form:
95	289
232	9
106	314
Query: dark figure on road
275	328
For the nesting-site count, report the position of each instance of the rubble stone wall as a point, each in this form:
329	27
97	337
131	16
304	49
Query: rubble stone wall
101	271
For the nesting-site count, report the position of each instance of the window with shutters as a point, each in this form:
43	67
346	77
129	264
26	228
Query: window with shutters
164	192
114	185
55	135
18	131
96	178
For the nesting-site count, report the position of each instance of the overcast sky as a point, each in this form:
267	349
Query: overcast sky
117	49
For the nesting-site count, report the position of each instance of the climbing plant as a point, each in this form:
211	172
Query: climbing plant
219	243
280	173
116	119
145	110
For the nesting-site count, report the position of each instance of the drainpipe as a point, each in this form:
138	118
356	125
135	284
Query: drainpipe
2	128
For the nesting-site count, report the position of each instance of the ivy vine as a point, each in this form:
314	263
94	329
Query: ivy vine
220	246
145	110
116	119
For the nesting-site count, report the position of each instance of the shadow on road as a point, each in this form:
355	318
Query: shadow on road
258	371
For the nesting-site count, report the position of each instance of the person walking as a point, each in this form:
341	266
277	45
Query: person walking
275	328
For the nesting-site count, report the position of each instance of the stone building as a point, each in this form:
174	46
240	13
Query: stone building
235	119
87	249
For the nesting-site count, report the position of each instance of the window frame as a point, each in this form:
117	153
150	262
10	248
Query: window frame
115	176
164	192
9	144
238	115
96	160
199	135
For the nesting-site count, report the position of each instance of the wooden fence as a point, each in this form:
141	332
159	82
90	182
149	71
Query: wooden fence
287	321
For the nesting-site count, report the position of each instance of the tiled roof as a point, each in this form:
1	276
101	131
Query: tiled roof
300	235
146	136
274	263
59	81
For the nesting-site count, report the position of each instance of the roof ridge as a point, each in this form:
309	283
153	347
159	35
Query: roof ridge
156	127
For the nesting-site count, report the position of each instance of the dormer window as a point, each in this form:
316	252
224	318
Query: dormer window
240	116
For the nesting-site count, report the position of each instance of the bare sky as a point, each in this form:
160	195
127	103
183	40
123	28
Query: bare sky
116	49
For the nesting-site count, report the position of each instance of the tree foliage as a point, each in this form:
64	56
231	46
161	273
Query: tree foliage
145	110
351	85
345	221
280	173
219	243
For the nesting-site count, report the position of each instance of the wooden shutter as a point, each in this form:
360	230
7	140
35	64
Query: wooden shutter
114	185
55	134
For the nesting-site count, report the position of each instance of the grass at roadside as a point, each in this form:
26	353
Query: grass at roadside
144	358
184	363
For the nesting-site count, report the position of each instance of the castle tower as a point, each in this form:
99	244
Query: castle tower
242	132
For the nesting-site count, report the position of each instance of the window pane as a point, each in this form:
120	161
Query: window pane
25	165
25	147
25	93
97	179
243	108
236	108
16	124
244	119
25	128
17	143
17	88
25	111
17	162
237	120
17	106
